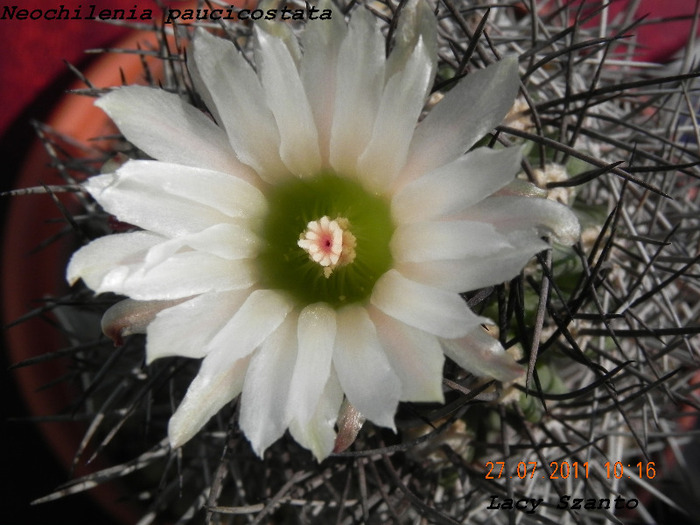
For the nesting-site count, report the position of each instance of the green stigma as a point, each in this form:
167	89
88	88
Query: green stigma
326	240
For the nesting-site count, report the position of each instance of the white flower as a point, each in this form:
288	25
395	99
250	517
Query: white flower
311	243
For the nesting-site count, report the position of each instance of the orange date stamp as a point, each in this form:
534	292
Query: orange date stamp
567	470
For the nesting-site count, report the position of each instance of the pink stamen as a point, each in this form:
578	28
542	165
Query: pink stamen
329	243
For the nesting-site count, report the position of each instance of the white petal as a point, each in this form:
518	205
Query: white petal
432	241
363	369
174	200
139	201
318	434
318	70
228	241
229	195
181	275
220	378
289	104
281	32
260	315
396	119
359	87
234	89
186	329
469	110
477	270
416	21
524	215
454	187
92	262
213	388
316	335
436	311
169	129
200	87
264	400
415	356
482	355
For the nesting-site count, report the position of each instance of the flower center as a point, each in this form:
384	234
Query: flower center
329	243
326	240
